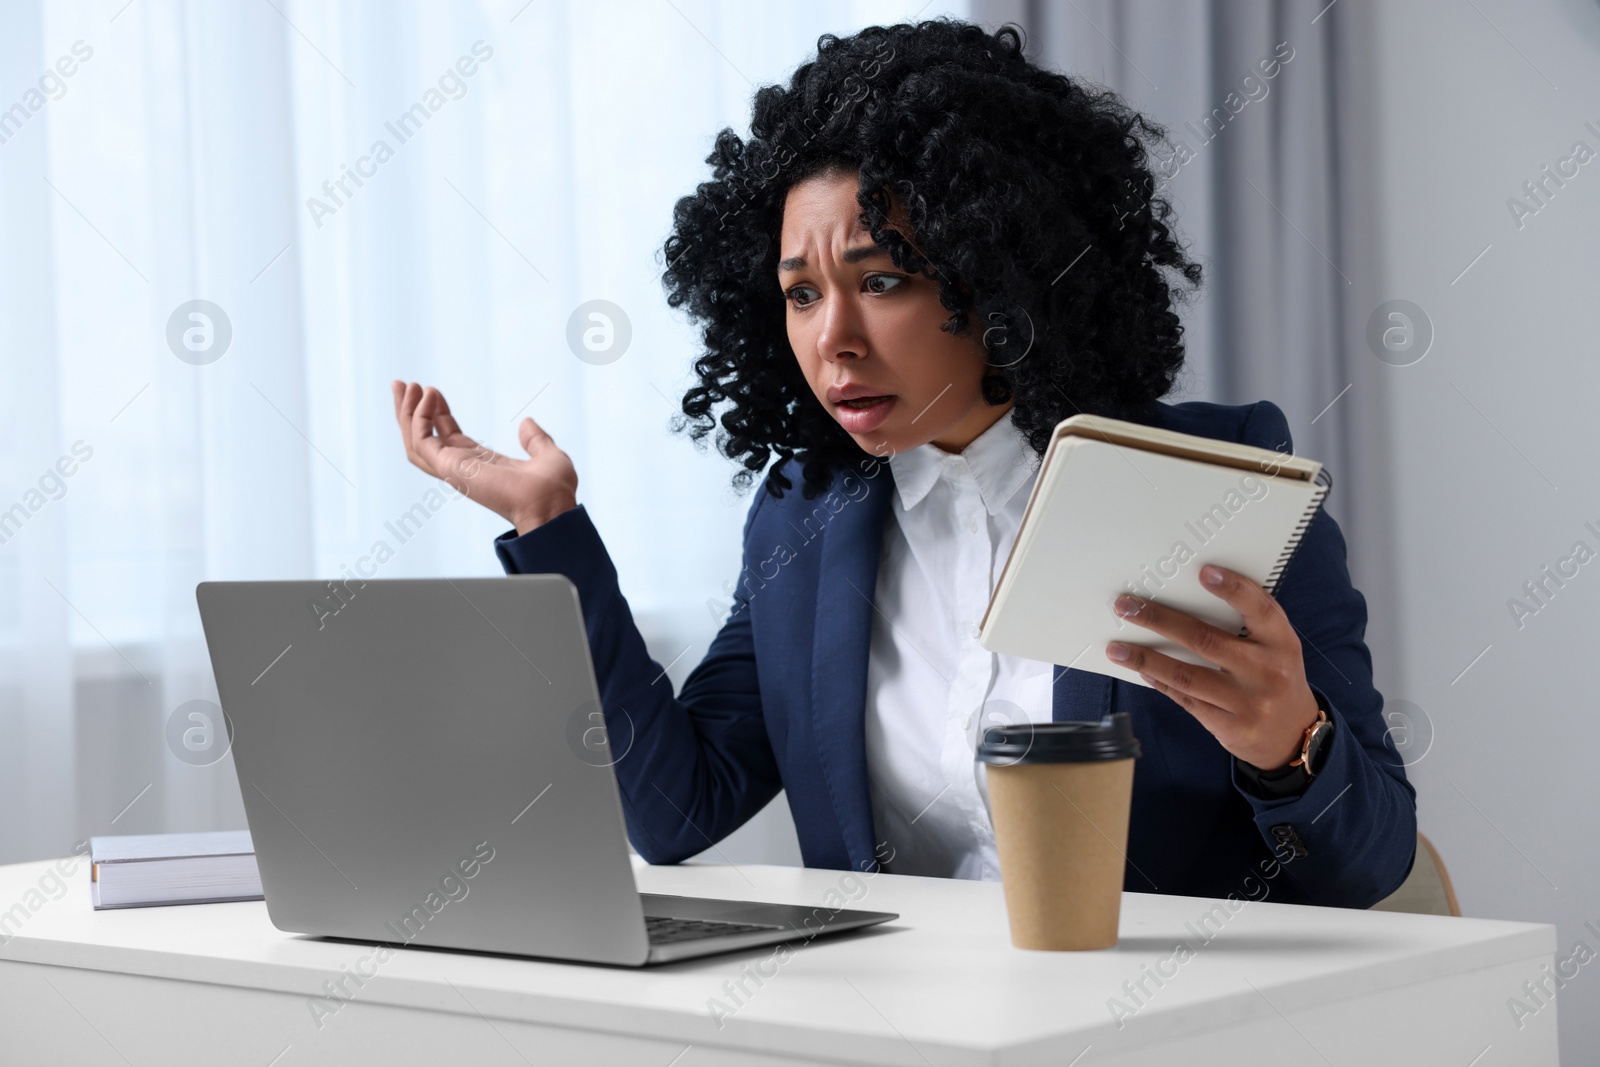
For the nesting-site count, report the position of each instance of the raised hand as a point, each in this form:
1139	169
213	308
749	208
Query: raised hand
525	492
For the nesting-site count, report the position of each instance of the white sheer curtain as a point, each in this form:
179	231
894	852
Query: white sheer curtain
531	155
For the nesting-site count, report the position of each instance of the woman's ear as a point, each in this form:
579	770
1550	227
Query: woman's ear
996	388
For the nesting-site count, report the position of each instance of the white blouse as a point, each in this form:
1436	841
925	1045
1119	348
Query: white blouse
931	688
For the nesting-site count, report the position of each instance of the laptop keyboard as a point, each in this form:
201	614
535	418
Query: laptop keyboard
663	929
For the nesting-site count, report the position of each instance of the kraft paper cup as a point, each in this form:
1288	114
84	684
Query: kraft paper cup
1059	796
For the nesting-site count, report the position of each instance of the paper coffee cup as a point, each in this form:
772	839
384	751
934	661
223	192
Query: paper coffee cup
1059	796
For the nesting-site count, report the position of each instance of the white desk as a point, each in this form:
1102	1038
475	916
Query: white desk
216	983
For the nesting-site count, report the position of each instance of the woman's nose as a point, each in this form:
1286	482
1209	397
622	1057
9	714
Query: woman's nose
841	337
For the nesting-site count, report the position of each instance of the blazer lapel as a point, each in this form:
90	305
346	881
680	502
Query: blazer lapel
846	583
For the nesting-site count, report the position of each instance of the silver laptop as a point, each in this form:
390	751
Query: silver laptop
424	762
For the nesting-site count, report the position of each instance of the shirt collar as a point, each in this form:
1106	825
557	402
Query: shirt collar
998	460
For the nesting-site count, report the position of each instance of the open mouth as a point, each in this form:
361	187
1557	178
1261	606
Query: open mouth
865	414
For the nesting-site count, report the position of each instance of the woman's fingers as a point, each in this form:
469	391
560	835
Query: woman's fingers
1213	717
1262	615
427	417
406	397
1258	702
448	453
1220	647
1203	685
532	435
426	437
438	408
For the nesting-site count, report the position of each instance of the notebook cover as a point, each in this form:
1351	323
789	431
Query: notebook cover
1106	518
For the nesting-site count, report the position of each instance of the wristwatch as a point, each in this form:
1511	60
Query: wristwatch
1292	780
1318	734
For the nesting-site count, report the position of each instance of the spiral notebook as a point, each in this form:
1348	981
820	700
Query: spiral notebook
1121	507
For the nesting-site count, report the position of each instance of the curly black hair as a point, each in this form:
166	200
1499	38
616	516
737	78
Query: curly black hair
1027	193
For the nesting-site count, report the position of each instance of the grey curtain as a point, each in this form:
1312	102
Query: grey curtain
1259	100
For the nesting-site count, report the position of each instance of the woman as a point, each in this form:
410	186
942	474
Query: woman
928	252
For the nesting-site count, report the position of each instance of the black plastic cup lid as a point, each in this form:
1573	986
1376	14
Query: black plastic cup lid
1060	742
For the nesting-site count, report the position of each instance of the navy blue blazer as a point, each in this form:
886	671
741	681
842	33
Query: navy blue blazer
778	703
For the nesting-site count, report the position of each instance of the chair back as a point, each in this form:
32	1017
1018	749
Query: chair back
1427	889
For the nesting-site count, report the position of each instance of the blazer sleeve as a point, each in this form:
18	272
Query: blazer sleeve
691	768
1349	839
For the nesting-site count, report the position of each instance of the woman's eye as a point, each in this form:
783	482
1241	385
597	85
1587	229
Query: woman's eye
874	283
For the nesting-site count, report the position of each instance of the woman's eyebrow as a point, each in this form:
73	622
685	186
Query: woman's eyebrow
851	255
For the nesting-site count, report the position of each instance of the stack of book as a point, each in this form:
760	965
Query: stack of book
144	870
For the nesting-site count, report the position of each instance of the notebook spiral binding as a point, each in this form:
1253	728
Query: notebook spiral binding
1324	482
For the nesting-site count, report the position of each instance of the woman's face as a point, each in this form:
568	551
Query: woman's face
860	327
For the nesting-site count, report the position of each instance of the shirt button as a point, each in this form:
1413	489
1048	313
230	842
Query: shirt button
972	524
973	630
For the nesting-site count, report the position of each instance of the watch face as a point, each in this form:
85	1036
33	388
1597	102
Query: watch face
1317	749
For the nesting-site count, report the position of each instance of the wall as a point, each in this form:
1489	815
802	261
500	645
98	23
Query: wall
1491	445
